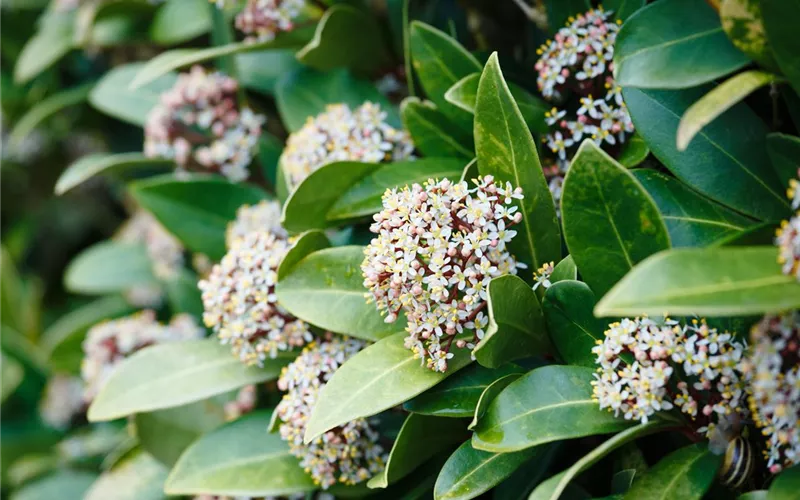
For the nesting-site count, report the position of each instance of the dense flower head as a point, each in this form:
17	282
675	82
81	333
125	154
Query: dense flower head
263	216
342	134
110	342
437	247
347	454
240	301
773	373
62	401
788	235
165	250
261	20
198	124
637	360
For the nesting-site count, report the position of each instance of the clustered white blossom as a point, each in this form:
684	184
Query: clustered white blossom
347	454
199	125
579	61
244	403
773	373
62	401
110	342
541	278
165	251
437	247
788	235
637	360
342	134
264	216
261	20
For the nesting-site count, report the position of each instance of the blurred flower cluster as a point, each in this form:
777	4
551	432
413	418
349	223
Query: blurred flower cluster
261	20
788	235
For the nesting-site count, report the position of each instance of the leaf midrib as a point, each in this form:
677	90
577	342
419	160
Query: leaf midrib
722	287
573	402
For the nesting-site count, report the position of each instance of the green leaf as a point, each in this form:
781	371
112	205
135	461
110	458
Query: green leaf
573	328
196	210
489	393
62	340
464	94
634	151
177	373
786	485
469	472
86	167
61	484
181	58
137	476
52	41
779	16
505	149
261	70
239	459
383	375
727	160
744	25
552	488
754	495
685	473
109	267
306	93
564	270
346	37
326	289
623	9
41	111
720	281
432	132
114	97
179	21
11	377
662	47
548	404
420	438
610	222
784	151
305	244
691	219
559	11
458	395
516	325
183	295
440	62
719	100
522	481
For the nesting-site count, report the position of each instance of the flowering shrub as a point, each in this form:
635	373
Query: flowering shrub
267	249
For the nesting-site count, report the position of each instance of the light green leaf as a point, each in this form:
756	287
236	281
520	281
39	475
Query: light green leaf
506	150
489	393
86	167
779	17
114	97
432	132
721	281
383	375
45	109
261	70
662	47
685	473
548	404
179	21
753	495
305	244
786	485
109	267
623	9
240	458
573	328
326	289
784	151
52	41
516	325
177	373
564	270
137	476
420	438
64	484
634	151
11	376
744	25
610	222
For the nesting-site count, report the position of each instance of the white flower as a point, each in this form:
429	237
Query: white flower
541	277
62	401
261	20
264	216
787	237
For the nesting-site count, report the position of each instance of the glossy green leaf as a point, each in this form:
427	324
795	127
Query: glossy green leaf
326	289
662	47
52	41
177	373
304	245
786	485
137	476
727	160
439	62
196	210
114	97
489	393
784	151
43	110
64	484
779	17
469	472
559	11
634	151
548	404
346	37
516	325
383	375
573	328
685	473
564	270
722	281
505	149
458	395
756	235
432	132
420	438
261	70
239	459
744	25
11	376
86	167
179	21
522	481
610	222
109	267
691	219
623	9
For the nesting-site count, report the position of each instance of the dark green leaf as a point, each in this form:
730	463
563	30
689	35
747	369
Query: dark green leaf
559	11
634	151
610	222
784	151
52	41
304	245
137	476
489	393
64	484
261	70
623	9
109	267
622	481
573	328
779	17
114	97
183	295
685	473
564	270
519	485
786	485
432	132
90	165
179	21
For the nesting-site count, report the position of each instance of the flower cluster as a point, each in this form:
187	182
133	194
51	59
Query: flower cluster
199	125
240	302
773	372
244	403
264	216
108	343
261	20
342	134
347	454
637	360
437	248
541	278
165	251
62	401
788	235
